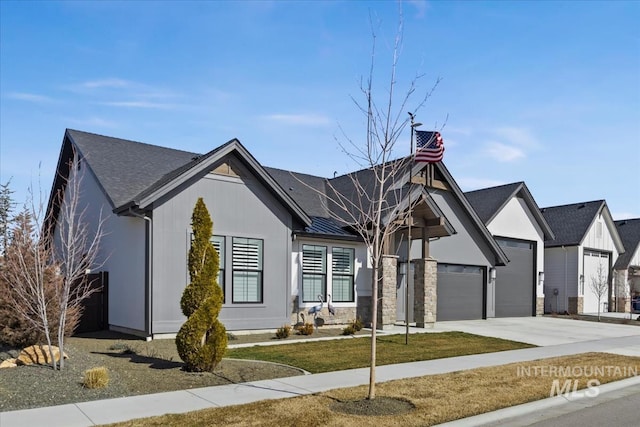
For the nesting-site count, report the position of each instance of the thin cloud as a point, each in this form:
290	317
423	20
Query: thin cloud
93	122
30	97
106	83
516	136
504	153
299	119
141	104
420	6
624	215
471	183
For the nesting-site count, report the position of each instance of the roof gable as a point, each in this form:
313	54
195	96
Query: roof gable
629	230
488	202
571	223
134	174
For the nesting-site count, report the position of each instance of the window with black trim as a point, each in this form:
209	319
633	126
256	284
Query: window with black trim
218	243
314	273
342	274
247	270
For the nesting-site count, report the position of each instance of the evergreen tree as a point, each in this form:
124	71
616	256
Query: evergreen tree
202	339
6	207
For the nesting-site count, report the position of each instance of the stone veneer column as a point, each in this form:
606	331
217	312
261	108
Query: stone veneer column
387	292
539	306
425	302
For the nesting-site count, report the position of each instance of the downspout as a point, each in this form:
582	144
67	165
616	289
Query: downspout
149	273
565	299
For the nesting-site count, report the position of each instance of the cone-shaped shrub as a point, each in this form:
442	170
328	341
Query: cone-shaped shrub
202	339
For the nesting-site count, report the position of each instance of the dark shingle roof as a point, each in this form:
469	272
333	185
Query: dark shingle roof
488	201
126	168
629	230
297	186
570	223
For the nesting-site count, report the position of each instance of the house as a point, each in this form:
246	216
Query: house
515	222
583	252
280	246
627	266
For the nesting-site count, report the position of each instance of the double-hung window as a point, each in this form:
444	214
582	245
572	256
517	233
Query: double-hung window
247	270
218	243
342	274
314	273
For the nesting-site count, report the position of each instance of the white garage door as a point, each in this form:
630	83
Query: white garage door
460	292
596	279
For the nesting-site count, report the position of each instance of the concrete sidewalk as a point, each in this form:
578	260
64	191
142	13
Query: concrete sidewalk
122	409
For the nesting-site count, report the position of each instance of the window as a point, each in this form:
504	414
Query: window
218	243
314	273
247	270
342	275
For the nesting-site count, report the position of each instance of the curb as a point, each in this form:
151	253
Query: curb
573	403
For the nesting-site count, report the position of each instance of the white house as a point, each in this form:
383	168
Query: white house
627	266
584	251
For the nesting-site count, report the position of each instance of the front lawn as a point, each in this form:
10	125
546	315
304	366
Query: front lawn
338	355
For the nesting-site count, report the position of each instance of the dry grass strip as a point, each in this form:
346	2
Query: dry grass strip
437	398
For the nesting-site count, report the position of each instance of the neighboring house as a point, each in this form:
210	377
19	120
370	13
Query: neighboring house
514	219
586	245
280	247
627	266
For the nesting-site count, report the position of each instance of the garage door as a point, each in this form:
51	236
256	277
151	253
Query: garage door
515	282
595	270
461	292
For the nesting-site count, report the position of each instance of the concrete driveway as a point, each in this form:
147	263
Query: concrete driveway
541	331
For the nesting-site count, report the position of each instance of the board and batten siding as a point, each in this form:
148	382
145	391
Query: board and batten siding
516	221
561	273
466	247
239	207
121	254
598	238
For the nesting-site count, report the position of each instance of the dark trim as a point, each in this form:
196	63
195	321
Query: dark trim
535	268
354	238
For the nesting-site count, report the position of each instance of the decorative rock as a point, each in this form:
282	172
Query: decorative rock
8	363
39	355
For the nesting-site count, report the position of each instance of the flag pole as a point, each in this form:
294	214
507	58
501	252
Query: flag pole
410	220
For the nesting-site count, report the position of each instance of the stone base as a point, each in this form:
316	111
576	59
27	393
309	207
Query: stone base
623	305
539	306
576	305
425	299
343	316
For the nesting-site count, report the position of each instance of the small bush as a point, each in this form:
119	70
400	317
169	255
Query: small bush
283	332
96	378
306	329
231	337
357	324
349	330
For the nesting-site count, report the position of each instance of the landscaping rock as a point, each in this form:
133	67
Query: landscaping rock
8	363
38	355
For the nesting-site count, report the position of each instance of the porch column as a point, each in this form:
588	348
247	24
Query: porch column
425	297
387	292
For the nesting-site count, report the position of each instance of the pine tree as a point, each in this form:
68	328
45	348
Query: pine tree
6	207
202	339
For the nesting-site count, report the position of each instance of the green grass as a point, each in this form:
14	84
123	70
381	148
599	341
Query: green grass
337	355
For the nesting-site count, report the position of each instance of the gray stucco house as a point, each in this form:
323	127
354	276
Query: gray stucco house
279	246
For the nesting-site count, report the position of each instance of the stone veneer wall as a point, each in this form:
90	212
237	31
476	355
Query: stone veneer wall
425	288
576	305
539	306
387	292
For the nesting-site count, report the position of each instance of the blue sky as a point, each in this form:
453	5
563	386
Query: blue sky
543	92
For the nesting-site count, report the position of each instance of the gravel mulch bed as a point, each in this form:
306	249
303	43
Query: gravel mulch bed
134	366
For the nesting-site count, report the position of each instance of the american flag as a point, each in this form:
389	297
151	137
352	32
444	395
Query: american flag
429	146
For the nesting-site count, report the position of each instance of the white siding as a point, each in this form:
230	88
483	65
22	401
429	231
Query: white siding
599	237
515	220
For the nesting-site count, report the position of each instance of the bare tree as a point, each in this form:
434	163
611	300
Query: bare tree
47	261
370	201
599	285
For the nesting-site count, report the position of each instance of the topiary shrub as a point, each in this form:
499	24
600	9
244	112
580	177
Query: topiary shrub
202	339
